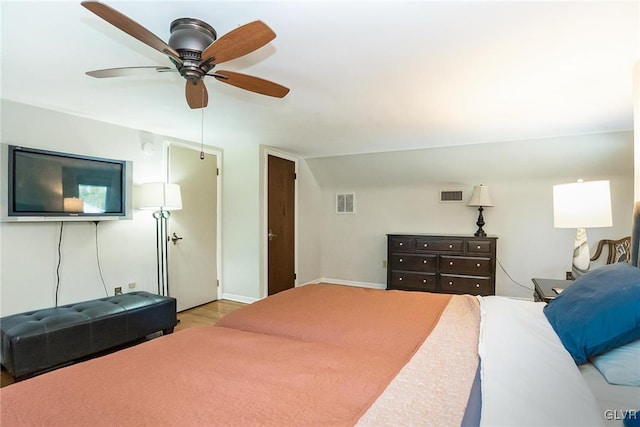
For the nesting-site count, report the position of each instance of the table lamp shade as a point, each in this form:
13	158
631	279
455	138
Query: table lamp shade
582	205
160	195
480	197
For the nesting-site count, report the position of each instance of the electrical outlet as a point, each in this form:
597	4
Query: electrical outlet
132	285
568	276
118	290
384	263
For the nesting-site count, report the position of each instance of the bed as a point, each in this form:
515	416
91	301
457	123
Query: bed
331	355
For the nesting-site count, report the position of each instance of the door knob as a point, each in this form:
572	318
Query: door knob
175	238
271	235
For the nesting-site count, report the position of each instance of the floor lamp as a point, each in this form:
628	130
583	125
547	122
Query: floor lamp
581	205
162	198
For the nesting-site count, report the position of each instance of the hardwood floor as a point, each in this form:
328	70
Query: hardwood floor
204	315
207	314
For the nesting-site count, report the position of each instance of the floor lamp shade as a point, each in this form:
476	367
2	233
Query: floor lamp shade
160	195
582	205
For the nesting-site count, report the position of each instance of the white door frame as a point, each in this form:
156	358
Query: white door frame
264	268
218	153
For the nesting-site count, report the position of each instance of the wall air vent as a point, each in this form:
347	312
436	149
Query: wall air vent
451	196
345	203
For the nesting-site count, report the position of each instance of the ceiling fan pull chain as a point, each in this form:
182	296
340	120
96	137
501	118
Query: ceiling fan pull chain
202	128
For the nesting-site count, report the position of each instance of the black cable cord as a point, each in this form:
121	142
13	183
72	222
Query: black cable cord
59	261
509	276
98	260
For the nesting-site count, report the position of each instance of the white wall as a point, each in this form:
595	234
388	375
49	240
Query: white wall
398	192
310	206
636	121
635	249
29	251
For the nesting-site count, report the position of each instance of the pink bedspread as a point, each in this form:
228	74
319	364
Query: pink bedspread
322	357
394	322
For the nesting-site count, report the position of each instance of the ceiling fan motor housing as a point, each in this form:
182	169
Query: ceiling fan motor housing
189	37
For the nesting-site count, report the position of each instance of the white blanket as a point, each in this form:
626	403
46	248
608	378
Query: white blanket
528	378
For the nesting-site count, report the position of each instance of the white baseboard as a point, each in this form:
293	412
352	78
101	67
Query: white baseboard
239	298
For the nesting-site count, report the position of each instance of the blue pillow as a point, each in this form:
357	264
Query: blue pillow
598	312
621	365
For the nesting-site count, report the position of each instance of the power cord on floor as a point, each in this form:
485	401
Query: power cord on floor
511	278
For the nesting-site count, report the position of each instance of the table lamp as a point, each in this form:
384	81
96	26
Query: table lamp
581	205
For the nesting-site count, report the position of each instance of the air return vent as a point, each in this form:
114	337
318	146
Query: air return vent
451	195
345	203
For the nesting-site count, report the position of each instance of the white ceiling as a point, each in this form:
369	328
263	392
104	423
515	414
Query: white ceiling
365	76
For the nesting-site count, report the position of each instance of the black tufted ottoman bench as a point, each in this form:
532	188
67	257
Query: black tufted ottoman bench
40	340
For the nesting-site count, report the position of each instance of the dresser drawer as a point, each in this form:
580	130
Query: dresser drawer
475	266
465	285
401	244
416	281
411	262
479	246
443	245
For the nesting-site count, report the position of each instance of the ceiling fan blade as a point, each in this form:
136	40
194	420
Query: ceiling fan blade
130	27
127	71
239	42
254	84
196	94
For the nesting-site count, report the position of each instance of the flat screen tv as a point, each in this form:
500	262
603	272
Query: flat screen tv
42	185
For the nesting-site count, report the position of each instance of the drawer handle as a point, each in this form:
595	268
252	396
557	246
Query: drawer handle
477	285
424	280
450	283
450	262
399	278
401	243
450	246
400	259
424	261
426	244
478	247
478	265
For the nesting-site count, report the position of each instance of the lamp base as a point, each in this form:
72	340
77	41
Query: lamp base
581	257
480	224
161	216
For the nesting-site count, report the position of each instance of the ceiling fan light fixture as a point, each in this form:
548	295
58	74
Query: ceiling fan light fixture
191	34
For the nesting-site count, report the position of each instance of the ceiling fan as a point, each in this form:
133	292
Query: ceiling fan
194	50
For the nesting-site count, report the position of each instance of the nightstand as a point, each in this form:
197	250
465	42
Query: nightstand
544	288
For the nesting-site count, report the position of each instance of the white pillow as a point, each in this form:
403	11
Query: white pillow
621	365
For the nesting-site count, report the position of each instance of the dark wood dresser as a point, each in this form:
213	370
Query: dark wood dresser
438	263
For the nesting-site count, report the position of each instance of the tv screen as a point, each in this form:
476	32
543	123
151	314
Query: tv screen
45	183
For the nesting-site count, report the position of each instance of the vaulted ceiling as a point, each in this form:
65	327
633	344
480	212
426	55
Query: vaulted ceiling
365	76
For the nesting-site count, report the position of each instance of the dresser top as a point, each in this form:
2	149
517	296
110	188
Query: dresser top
456	236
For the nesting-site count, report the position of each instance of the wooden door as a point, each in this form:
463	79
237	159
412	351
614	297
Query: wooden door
281	224
193	258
